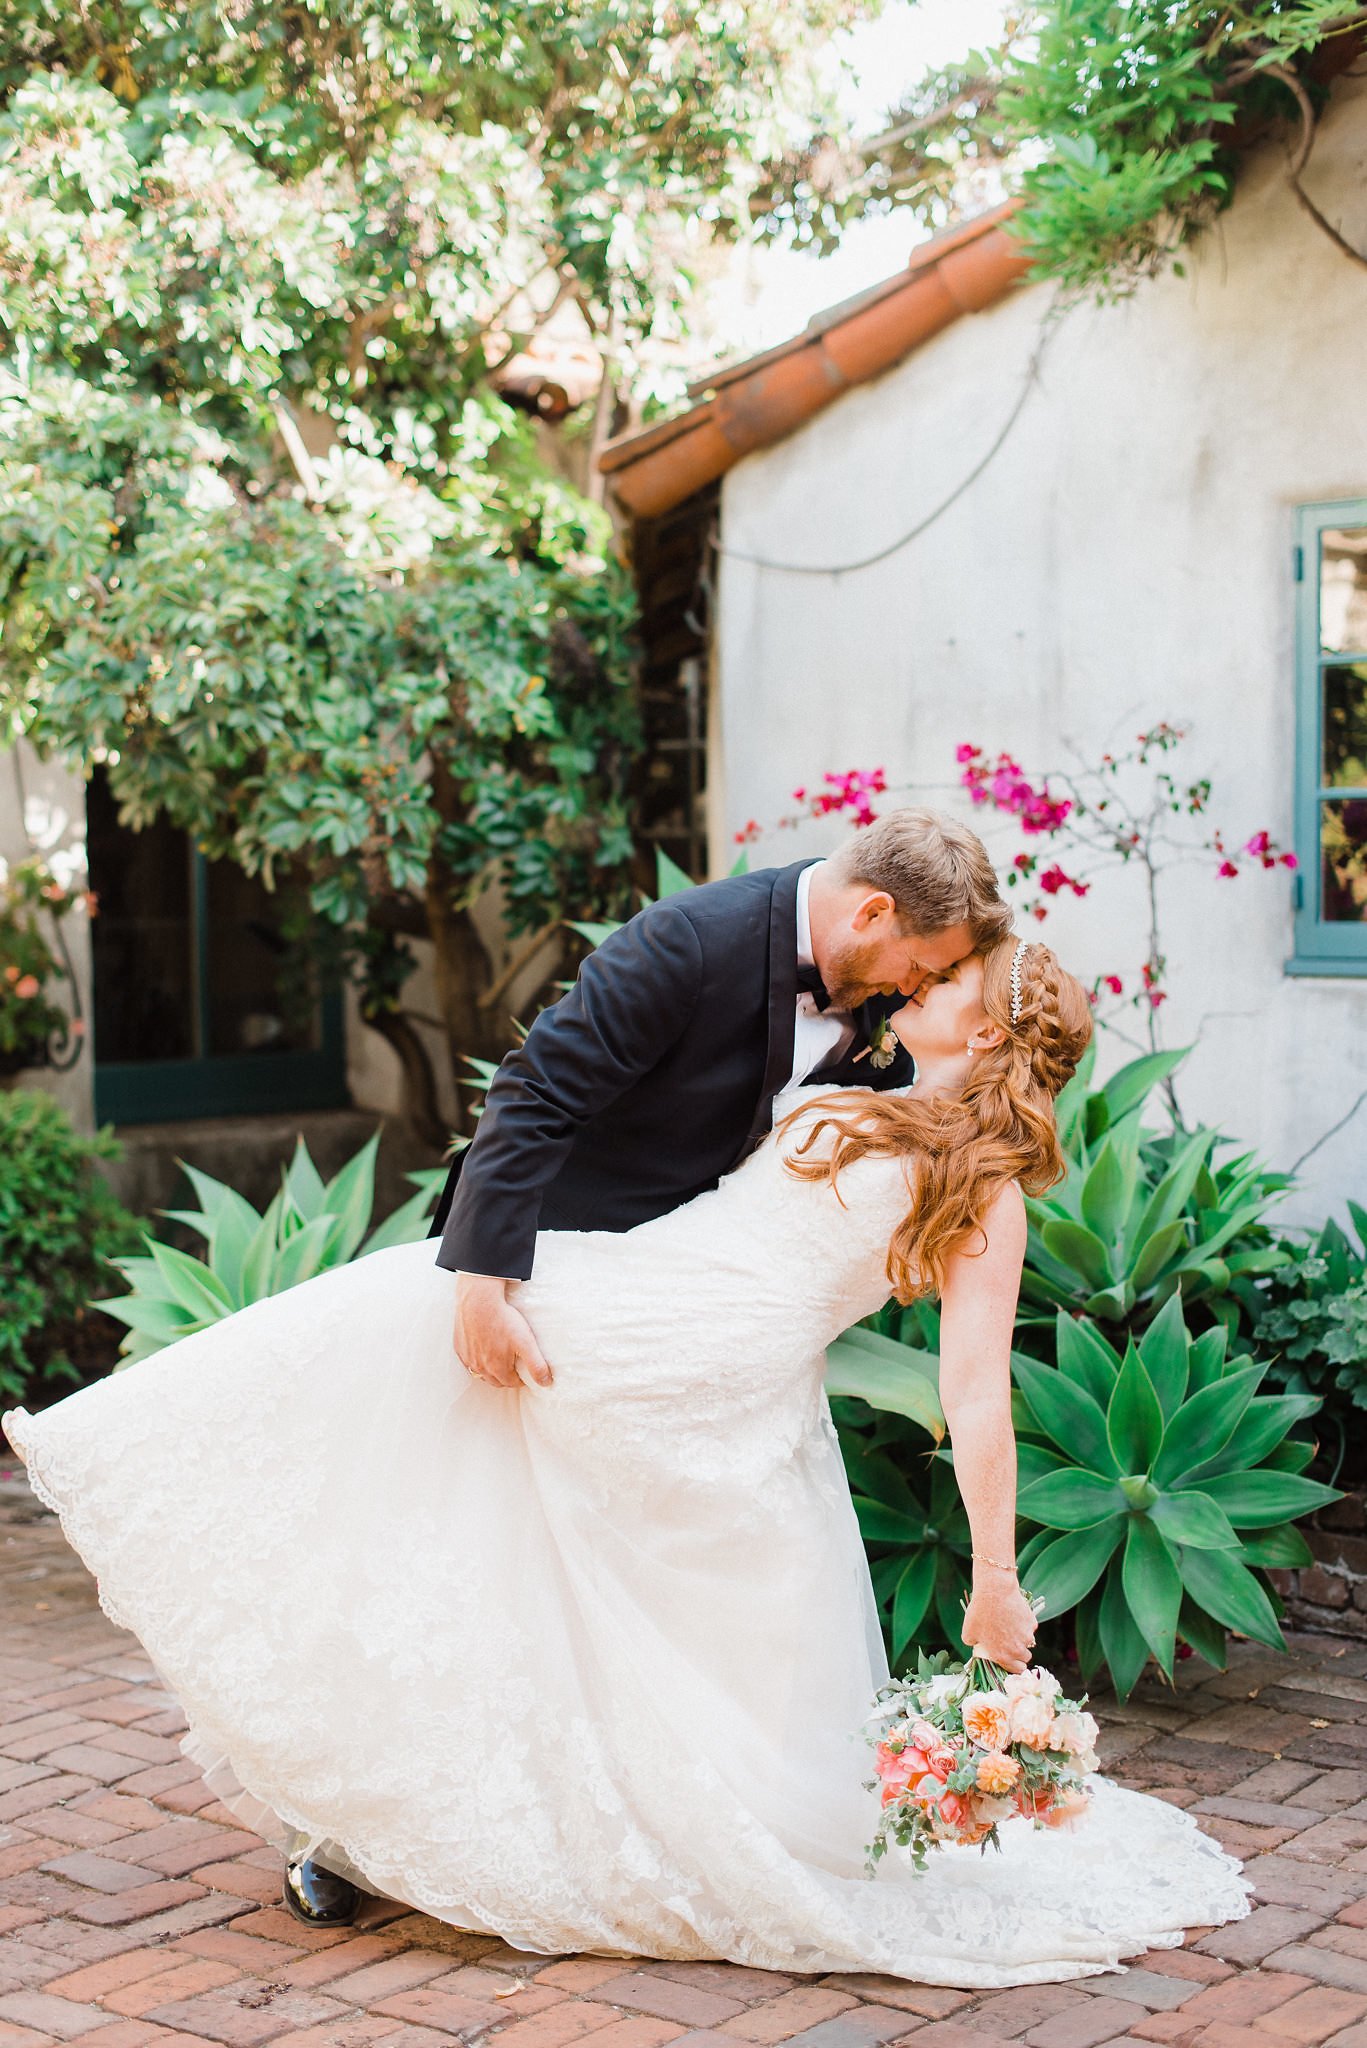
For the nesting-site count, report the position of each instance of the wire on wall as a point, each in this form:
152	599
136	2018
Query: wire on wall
1047	329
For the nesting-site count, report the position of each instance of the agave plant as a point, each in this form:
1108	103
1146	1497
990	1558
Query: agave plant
1141	1217
886	1405
309	1226
1164	1487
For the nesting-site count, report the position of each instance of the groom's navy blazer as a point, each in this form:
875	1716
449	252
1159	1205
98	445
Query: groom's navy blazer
651	1078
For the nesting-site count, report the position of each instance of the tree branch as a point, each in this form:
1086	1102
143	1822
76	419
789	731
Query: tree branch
1300	157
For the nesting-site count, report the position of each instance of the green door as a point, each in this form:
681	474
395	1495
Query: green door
201	1006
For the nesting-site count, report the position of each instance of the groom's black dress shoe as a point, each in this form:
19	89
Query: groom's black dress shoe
319	1897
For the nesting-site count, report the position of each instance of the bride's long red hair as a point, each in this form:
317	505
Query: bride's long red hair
962	1148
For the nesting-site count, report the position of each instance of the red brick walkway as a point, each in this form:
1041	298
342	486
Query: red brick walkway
132	1908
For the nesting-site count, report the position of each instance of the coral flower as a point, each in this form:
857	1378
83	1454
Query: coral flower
997	1773
1032	1722
1067	1811
987	1719
27	985
940	1762
952	1809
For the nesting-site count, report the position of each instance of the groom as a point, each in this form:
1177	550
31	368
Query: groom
657	1073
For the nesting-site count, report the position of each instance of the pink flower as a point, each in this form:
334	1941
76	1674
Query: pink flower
952	1809
940	1762
1114	984
1075	1734
1226	867
1032	1721
27	985
1289	860
1020	1684
799	796
1259	843
1054	879
966	752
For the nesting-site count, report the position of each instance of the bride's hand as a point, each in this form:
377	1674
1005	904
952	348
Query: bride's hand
1000	1622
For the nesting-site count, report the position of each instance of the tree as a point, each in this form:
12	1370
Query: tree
1118	122
273	548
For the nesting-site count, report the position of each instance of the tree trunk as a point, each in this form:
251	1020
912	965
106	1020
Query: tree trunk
420	1110
461	963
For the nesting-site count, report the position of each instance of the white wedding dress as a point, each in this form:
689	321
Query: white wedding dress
583	1666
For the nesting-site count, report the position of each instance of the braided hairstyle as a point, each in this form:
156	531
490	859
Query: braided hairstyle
961	1149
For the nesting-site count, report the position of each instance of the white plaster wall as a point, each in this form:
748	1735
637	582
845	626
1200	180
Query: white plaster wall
42	810
1125	557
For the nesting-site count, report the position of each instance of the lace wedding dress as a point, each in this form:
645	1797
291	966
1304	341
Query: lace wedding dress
583	1666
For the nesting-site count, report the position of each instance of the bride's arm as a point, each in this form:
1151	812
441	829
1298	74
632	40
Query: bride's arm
977	1316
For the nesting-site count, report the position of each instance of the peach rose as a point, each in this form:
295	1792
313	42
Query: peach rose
987	1719
1022	1684
1032	1721
1075	1733
941	1761
997	1773
925	1736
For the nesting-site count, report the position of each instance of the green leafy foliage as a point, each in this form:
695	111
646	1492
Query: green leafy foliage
1119	122
912	1520
1314	1328
1143	1216
308	1227
60	1229
32	898
275	548
1161	1486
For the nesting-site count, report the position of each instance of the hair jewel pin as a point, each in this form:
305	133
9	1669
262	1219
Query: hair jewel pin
1021	951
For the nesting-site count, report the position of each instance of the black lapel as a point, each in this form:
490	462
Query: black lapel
778	1060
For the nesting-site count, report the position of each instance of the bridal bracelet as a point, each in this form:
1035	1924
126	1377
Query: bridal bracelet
980	1557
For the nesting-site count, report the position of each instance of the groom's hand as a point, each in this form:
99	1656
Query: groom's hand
493	1341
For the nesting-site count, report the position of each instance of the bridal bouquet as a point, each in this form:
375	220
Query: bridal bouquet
959	1748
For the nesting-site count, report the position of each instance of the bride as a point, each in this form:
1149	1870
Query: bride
584	1663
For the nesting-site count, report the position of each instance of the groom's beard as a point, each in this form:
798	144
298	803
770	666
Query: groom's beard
846	973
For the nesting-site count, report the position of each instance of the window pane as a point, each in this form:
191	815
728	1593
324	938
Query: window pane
261	998
1345	726
1343	590
141	938
1343	862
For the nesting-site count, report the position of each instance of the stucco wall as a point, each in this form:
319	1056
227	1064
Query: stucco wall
1125	557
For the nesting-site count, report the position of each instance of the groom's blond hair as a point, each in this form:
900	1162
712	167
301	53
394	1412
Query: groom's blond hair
935	869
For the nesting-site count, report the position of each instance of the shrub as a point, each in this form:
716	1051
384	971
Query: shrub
308	1227
1314	1329
60	1228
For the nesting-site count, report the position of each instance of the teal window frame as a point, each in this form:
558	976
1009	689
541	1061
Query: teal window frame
224	1084
1320	948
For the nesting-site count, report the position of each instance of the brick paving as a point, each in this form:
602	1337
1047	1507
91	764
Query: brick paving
134	1910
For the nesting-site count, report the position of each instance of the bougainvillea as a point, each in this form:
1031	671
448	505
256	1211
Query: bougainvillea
1124	809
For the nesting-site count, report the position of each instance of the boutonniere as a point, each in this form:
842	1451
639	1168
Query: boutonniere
881	1049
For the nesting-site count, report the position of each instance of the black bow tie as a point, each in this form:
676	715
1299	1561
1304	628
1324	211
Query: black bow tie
810	983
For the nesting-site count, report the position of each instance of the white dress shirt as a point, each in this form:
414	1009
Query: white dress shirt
818	1035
